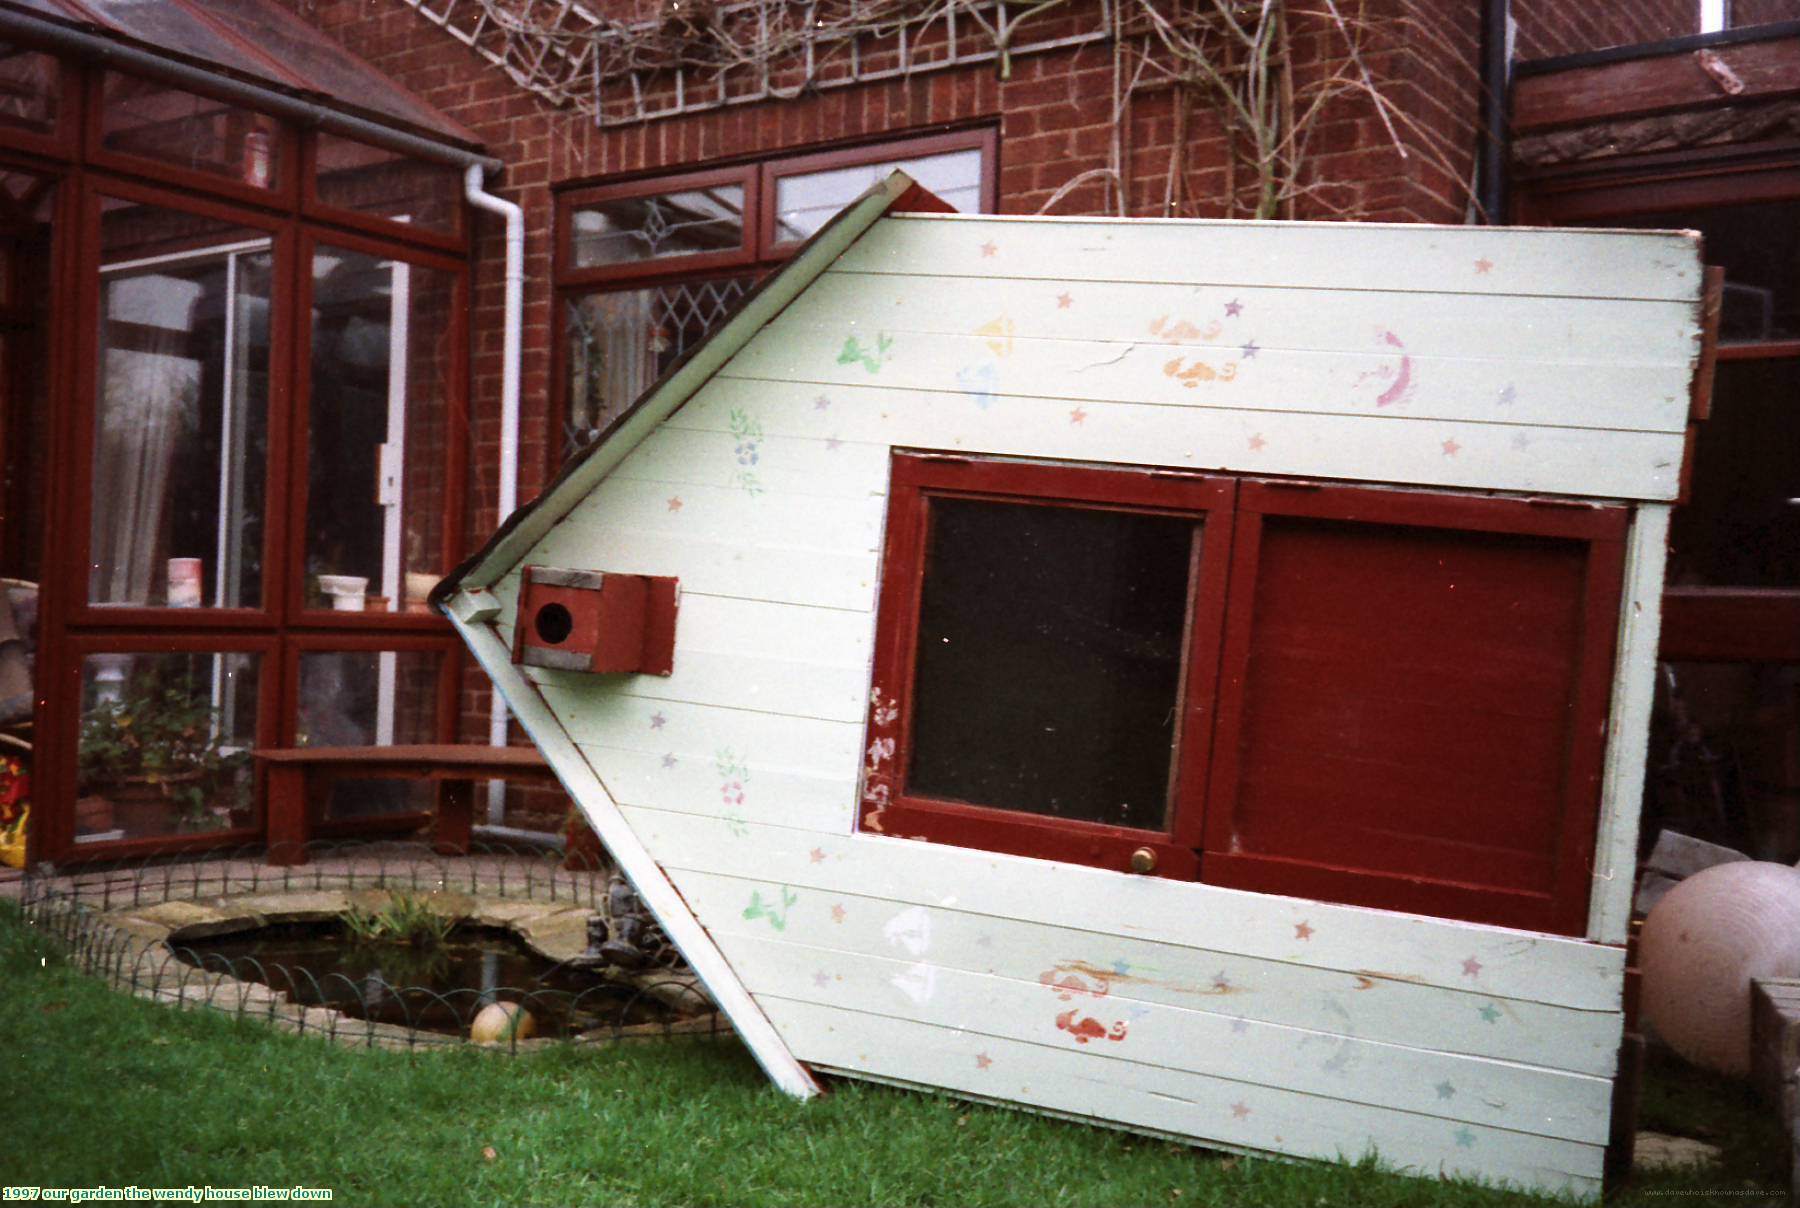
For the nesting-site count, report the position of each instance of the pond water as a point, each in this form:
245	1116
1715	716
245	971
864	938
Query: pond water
436	989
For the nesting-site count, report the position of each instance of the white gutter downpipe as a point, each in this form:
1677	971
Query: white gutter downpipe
508	499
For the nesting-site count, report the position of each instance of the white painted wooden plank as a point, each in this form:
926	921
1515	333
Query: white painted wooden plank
600	715
652	885
726	543
1387	448
722	784
1628	728
723	514
1334	1065
778	686
1488	327
1246	992
725	567
1299	255
1148	1096
819	467
1442	952
1383	380
787	631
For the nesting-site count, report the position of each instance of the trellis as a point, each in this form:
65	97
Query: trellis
693	56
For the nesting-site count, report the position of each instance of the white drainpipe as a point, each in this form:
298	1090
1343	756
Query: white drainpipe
478	197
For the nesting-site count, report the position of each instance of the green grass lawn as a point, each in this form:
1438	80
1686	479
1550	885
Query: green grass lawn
100	1088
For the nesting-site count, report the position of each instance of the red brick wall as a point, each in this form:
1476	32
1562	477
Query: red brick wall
1055	120
1762	12
1551	28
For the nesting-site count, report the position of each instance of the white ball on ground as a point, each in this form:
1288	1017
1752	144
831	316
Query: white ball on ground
502	1023
1701	946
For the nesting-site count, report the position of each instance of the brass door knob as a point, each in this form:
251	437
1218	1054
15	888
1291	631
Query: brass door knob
1143	860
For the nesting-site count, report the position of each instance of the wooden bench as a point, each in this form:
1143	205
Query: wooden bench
296	774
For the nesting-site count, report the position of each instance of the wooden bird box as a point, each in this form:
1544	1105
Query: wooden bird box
597	621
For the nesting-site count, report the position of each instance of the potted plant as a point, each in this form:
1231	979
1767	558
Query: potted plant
157	754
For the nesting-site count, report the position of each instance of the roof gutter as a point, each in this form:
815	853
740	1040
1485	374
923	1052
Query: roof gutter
53	35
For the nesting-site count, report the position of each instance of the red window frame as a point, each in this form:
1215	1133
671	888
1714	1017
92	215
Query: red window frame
1199	841
889	808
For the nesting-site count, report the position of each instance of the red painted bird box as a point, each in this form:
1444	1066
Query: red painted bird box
589	620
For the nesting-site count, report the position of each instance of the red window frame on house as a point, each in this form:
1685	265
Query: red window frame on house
1567	558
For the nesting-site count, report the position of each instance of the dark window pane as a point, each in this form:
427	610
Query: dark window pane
659	227
1049	660
1741	525
1725	756
1758	246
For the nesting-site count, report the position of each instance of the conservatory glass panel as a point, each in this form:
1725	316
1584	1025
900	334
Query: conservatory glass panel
164	744
180	129
28	89
370	180
378	474
181	417
370	698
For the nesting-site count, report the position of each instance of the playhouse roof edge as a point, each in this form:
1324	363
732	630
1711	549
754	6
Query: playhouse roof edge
518	532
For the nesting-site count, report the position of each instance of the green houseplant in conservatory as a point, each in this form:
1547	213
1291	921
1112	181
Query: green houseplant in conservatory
160	754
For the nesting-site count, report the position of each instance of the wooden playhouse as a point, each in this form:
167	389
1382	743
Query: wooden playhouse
1186	675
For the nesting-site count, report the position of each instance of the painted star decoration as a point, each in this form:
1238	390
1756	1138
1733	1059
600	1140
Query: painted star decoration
658	721
1220	982
989	248
1464	1138
982	1061
1471	967
1507	395
838	912
821	403
821	979
1233	309
1303	931
1451	448
1491	1013
833	444
1240	1110
1249	350
1257	442
1240	1025
816	855
674	503
1484	266
1446	1091
1077	416
668	761
1064	300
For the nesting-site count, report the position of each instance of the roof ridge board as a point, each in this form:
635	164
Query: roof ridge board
523	529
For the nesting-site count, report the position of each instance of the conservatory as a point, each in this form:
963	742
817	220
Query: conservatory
233	416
